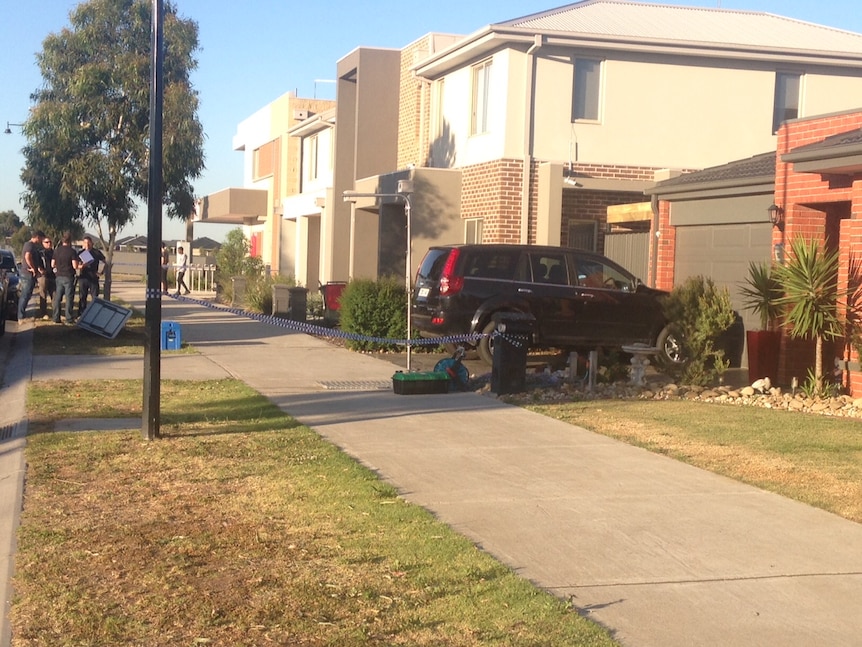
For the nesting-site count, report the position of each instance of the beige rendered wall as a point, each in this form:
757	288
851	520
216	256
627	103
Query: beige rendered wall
457	103
654	113
366	140
674	116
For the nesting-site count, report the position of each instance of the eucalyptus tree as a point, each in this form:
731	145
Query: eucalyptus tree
87	151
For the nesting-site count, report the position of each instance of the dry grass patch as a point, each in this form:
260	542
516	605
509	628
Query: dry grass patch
241	527
810	458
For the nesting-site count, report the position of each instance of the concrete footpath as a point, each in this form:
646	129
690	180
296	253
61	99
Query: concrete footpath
661	553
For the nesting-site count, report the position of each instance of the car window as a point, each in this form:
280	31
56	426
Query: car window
432	264
550	268
492	264
596	274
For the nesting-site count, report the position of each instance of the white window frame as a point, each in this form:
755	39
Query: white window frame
591	94
479	119
313	153
473	231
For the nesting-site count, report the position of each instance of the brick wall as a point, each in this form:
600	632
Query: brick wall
665	250
493	191
592	205
827	209
413	106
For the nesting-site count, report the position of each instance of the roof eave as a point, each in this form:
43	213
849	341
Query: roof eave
714	188
494	37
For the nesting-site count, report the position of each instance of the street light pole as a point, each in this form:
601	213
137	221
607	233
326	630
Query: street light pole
151	418
405	189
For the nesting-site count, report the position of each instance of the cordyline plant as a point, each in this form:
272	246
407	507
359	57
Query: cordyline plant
809	279
761	293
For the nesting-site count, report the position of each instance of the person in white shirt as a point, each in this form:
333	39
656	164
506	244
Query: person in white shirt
182	265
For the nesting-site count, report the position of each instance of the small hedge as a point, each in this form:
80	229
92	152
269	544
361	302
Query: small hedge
374	309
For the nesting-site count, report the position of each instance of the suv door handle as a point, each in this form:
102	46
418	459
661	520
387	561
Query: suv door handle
586	295
525	291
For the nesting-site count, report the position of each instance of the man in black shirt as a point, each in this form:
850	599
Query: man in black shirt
65	263
88	281
31	270
46	281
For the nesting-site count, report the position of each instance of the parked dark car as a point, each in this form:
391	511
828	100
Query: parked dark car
580	300
8	293
9	267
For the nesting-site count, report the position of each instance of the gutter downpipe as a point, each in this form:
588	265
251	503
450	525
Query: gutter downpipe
654	234
538	41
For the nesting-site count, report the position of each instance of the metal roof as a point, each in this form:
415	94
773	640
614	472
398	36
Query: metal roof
626	19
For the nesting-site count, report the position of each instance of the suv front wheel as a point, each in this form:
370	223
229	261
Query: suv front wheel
670	350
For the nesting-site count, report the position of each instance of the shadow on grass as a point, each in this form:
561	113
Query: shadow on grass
54	339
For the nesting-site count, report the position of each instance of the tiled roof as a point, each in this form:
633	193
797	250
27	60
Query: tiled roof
626	19
841	139
755	167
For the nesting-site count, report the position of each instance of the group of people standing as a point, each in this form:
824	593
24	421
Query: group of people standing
58	273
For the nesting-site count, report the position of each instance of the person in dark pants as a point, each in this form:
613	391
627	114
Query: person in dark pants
31	270
166	263
46	281
88	281
182	266
65	264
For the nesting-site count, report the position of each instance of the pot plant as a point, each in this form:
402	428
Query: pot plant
761	294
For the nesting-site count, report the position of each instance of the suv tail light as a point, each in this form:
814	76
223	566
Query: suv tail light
451	283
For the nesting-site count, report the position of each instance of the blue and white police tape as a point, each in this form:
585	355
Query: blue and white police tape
322	331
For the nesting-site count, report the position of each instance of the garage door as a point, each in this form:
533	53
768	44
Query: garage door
723	252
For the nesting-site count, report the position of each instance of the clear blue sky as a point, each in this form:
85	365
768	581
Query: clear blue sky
253	52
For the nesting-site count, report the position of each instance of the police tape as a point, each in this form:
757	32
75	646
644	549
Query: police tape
323	331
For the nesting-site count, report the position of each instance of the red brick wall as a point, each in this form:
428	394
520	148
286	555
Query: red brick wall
579	204
665	250
823	209
493	191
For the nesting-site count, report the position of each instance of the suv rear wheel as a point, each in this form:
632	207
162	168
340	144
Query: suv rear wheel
485	347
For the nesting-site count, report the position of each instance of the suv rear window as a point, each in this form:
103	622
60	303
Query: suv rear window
432	264
491	264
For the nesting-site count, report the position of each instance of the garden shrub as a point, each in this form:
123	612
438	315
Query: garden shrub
374	309
700	312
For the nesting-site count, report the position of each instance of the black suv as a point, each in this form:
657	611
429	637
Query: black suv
8	288
580	301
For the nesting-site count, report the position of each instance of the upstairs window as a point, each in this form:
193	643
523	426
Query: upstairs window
312	149
481	92
587	86
787	90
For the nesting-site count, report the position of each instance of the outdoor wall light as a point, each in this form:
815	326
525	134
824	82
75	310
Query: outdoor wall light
776	215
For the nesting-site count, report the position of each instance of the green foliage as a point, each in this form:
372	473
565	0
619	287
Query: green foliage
761	293
374	309
88	132
10	224
814	388
809	279
230	256
700	312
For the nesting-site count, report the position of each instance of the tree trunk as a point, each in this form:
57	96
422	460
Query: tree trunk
818	363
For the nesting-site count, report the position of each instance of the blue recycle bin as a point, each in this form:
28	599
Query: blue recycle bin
171	336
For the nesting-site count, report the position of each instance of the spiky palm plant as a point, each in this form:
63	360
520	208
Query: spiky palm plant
809	280
761	293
